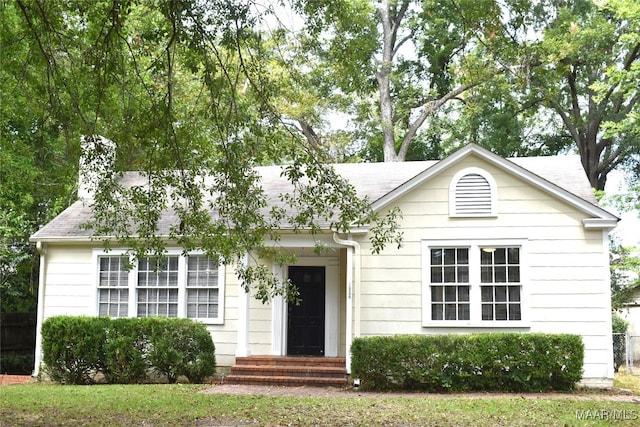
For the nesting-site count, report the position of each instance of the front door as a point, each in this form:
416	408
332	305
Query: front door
305	332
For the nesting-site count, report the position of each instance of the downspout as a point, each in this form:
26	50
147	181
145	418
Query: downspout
353	287
42	250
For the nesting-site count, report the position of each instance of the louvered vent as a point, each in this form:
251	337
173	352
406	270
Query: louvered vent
473	196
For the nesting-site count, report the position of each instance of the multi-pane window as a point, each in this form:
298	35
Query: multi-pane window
450	284
172	286
113	286
475	283
202	287
158	287
500	278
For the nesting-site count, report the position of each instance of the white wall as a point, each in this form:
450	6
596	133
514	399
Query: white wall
566	285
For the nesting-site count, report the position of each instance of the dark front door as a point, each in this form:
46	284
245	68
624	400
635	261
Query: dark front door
305	335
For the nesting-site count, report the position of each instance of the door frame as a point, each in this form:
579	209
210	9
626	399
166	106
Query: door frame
307	320
279	309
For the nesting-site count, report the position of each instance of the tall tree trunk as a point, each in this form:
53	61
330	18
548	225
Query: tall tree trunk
390	26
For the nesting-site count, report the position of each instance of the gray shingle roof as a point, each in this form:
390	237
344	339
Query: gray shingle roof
373	180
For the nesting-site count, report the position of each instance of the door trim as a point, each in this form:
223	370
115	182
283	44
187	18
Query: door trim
332	306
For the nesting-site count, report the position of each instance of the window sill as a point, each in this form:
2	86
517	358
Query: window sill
486	324
208	321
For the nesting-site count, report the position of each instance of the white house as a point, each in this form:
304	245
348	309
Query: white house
490	244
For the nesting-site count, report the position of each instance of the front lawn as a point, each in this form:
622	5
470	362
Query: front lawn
184	405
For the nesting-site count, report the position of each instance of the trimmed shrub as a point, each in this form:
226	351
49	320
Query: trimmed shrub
199	354
125	350
487	362
181	347
73	348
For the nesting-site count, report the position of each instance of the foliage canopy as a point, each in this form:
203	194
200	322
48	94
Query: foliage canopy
190	89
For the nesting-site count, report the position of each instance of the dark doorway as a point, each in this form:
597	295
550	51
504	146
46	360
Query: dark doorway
305	332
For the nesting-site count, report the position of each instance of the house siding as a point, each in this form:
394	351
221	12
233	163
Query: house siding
565	276
71	289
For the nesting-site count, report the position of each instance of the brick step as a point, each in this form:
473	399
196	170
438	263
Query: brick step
338	362
285	381
290	371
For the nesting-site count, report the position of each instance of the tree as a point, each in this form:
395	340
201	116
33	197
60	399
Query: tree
587	74
182	88
625	276
394	65
37	167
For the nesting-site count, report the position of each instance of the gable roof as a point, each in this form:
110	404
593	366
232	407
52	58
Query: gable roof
382	183
561	176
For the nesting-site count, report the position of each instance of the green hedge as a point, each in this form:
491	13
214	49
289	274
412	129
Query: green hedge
73	348
77	348
488	362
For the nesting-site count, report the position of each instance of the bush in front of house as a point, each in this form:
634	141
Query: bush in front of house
77	348
477	362
181	347
73	348
126	351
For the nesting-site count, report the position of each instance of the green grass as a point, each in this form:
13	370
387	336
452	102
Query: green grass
184	405
627	381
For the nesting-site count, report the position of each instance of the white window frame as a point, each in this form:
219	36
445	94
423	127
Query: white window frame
492	186
220	286
111	288
475	320
182	280
150	289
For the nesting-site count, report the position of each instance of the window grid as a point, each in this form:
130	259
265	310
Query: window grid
501	299
202	287
113	286
158	287
450	300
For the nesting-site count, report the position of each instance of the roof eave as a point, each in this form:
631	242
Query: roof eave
600	223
